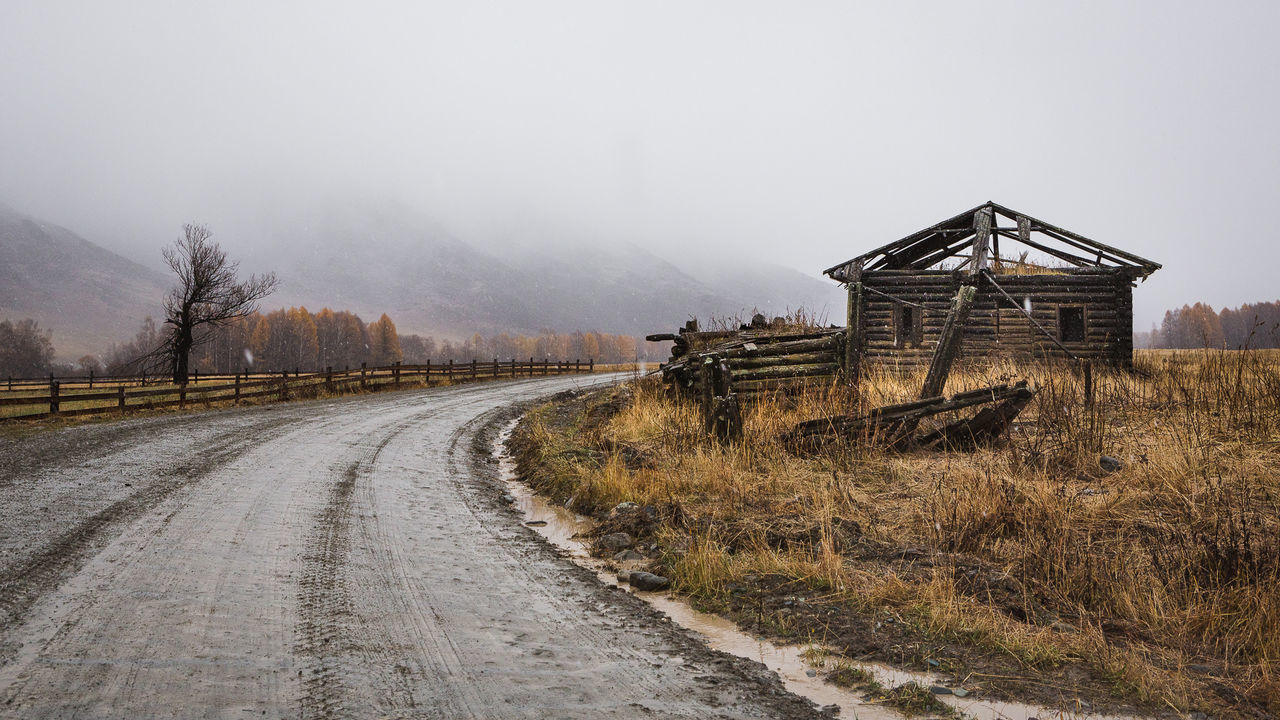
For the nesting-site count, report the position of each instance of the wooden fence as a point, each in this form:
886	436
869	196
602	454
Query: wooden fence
32	399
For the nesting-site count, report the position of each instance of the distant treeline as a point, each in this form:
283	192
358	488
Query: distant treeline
299	339
1254	325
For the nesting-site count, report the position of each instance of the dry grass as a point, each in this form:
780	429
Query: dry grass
1163	578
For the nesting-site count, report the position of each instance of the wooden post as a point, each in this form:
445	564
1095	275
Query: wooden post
195	377
362	380
182	396
513	367
450	368
237	399
473	368
577	364
328	378
705	383
395	373
53	396
591	365
1088	383
120	398
949	344
90	378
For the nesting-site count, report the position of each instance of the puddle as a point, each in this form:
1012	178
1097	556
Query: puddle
558	525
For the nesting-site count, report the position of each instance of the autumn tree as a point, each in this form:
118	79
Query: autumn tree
207	294
384	342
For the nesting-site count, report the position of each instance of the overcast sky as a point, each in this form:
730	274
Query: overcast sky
793	132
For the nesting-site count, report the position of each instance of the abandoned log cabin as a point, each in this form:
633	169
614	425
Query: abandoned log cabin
1038	290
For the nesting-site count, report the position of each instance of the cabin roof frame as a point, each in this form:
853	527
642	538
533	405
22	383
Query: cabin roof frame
927	248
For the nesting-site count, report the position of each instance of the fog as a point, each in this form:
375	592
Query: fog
795	133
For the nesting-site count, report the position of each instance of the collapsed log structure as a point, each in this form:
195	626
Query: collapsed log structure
901	294
758	358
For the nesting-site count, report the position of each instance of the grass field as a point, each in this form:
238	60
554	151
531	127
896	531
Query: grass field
1026	568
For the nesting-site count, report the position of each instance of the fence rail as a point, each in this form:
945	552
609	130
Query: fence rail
133	393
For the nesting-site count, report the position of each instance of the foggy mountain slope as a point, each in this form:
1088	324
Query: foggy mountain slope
384	259
87	295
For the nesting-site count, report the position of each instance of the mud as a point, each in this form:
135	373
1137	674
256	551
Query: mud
336	558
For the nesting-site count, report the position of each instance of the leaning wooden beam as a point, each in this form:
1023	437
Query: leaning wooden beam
949	344
991	279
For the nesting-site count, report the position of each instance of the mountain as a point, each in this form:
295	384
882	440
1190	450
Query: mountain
395	261
381	258
87	295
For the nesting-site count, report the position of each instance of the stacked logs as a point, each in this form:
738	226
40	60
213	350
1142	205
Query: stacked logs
752	361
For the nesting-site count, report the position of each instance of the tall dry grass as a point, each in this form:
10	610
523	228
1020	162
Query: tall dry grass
1163	576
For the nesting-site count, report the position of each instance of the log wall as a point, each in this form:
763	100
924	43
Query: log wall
994	326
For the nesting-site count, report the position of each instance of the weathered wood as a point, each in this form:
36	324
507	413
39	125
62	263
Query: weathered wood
749	361
786	371
982	222
1038	326
950	342
726	418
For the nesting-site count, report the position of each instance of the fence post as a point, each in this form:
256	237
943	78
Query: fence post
591	365
195	377
90	378
182	396
513	367
362	384
120	398
450	368
530	366
53	396
428	375
577	364
495	367
396	373
473	368
144	378
237	400
328	378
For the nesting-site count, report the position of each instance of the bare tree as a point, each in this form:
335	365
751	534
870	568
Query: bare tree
207	295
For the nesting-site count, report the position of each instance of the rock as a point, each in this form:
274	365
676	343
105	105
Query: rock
627	555
960	692
536	523
829	709
1197	715
508	498
623	508
615	541
1110	464
648	581
811	672
939	690
624	576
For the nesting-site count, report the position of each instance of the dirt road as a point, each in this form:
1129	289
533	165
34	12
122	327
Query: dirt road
328	559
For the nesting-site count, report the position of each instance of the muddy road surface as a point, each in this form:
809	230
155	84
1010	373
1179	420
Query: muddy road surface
344	558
